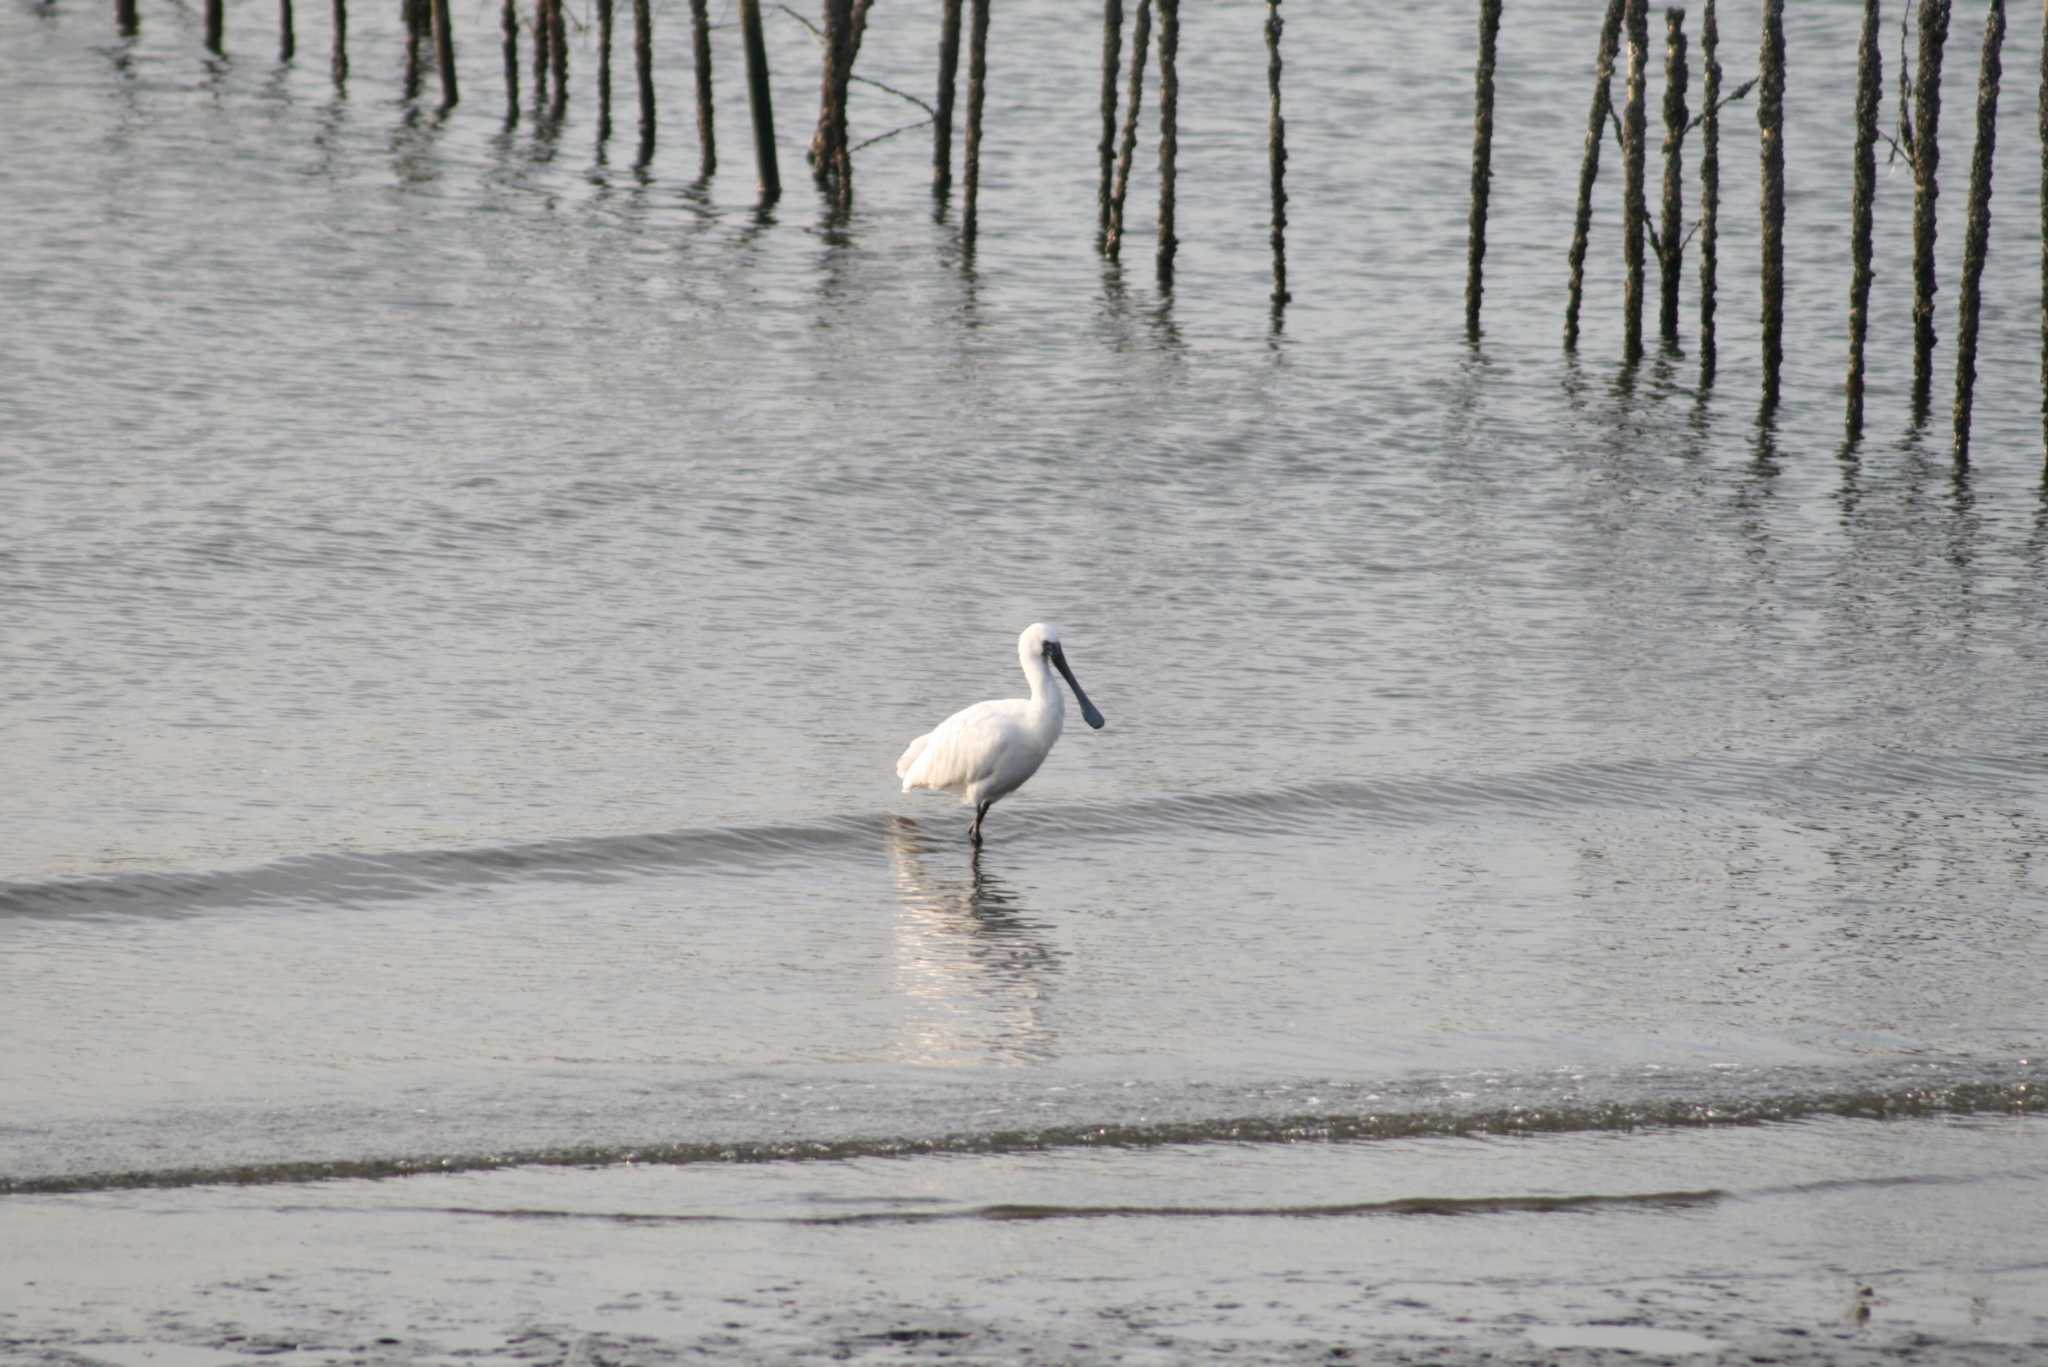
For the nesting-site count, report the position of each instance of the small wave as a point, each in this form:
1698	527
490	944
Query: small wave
1014	1212
346	878
1959	1098
343	878
1406	1205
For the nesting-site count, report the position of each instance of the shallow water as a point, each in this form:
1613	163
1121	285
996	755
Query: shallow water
462	596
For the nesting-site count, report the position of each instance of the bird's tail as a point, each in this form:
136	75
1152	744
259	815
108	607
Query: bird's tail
908	760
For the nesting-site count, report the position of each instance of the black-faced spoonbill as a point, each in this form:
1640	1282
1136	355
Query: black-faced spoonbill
982	754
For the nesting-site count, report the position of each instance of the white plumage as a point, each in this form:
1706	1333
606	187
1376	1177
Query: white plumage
982	754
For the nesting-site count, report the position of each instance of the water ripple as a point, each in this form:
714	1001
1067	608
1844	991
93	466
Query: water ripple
345	878
1703	1108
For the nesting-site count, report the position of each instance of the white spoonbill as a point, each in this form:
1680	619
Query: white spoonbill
982	754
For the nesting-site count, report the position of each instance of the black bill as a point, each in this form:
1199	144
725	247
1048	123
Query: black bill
1059	662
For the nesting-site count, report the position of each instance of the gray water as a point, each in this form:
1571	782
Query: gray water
1559	878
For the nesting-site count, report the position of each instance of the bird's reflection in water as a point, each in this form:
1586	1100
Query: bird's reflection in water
974	970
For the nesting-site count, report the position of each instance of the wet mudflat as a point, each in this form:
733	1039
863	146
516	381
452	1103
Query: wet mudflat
1822	1242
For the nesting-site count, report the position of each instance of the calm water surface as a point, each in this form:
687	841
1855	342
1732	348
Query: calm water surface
462	595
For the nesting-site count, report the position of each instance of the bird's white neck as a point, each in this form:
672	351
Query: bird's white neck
1048	699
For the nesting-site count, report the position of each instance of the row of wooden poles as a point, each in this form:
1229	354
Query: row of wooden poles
1117	148
1918	142
844	23
427	26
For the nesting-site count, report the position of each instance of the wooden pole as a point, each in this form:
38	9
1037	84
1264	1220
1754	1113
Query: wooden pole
413	13
1869	90
760	101
1635	19
837	25
1977	235
643	72
125	20
700	49
1276	153
2041	116
1770	117
1141	33
1926	143
1482	162
827	149
340	61
604	71
543	33
977	85
1710	187
1589	166
942	120
444	53
1675	115
558	53
1105	150
287	37
842	146
508	24
1169	135
213	27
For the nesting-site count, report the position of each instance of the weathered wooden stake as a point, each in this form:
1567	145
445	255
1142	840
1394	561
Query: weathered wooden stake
977	89
287	39
1169	135
828	148
125	20
842	145
1710	187
2041	116
1977	236
543	32
942	120
760	102
1141	32
413	13
700	49
1926	144
1636	21
837	26
1869	90
1770	117
843	155
213	27
340	62
444	53
1276	153
1482	163
508	24
1105	151
1589	166
604	71
643	71
558	53
1675	114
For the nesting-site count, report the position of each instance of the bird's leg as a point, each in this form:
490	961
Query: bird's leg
974	831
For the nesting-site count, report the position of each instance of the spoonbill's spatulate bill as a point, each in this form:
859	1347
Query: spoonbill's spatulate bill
982	754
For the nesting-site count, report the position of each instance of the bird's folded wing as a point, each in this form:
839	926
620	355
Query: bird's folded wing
966	747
